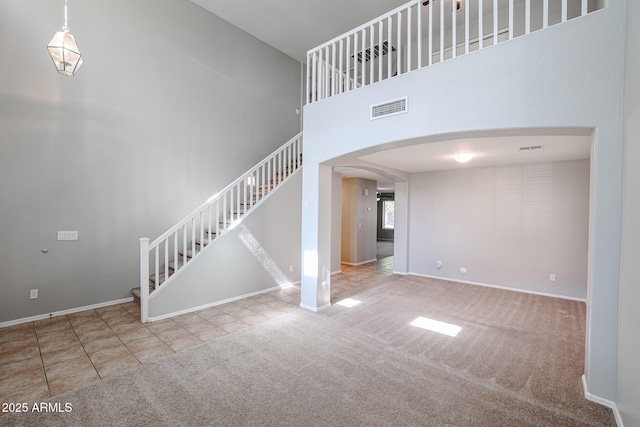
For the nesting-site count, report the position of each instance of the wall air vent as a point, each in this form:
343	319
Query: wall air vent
389	108
531	148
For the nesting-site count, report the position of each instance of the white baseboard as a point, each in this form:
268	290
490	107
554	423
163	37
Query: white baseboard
603	402
314	309
506	288
336	272
401	273
358	263
63	312
213	304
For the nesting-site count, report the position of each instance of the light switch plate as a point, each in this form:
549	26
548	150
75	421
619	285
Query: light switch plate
67	235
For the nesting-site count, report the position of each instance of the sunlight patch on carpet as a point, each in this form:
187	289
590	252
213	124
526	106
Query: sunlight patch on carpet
349	302
436	326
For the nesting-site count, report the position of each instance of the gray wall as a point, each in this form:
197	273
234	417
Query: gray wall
171	104
358	221
629	315
260	253
509	226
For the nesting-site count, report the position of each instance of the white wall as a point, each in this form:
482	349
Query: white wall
533	82
629	315
171	105
359	216
256	255
536	23
509	226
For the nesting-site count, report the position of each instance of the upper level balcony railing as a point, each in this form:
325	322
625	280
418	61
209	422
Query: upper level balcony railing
423	32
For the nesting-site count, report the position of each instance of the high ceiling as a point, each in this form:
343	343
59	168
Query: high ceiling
296	26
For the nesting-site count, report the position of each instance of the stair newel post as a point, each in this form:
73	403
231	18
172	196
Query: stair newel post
144	279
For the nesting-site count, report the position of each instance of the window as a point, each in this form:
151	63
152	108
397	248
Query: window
387	214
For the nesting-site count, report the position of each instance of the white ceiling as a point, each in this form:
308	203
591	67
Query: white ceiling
384	183
487	151
296	26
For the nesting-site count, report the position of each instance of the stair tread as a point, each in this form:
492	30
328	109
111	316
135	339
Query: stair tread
161	278
190	252
172	264
206	239
136	291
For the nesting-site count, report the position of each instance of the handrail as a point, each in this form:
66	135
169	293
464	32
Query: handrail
221	192
168	254
367	24
407	38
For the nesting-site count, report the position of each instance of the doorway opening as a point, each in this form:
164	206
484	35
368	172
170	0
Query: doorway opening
386	225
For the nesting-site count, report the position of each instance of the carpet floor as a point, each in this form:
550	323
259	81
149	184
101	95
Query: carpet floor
517	361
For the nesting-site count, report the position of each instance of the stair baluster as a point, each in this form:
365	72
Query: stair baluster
189	237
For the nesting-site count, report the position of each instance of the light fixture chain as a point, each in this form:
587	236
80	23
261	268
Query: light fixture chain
65	28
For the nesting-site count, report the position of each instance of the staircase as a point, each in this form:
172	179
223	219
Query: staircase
168	255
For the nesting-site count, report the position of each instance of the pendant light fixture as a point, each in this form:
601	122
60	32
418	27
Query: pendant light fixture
64	50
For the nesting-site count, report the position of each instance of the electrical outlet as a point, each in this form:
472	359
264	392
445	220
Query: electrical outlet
290	268
33	294
552	277
439	264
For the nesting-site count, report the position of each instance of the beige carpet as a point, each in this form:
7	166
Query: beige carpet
517	361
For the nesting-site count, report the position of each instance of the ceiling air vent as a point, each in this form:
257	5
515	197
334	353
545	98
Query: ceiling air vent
389	108
531	148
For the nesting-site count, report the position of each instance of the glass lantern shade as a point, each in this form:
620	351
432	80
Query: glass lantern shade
65	53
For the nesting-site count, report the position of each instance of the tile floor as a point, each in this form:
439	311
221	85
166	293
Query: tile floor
49	357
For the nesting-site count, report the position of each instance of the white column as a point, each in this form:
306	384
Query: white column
401	229
316	237
604	260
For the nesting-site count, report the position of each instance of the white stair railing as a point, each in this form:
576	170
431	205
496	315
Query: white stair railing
418	34
167	255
